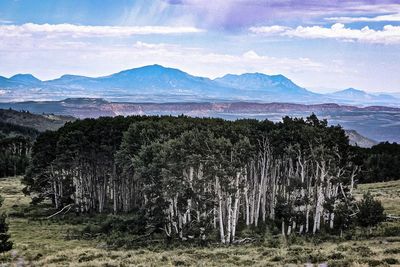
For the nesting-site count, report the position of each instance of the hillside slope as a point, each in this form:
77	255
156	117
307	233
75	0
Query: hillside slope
36	121
359	140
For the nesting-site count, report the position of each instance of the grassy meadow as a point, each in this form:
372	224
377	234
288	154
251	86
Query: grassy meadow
46	242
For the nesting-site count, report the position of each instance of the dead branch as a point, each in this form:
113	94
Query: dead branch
60	211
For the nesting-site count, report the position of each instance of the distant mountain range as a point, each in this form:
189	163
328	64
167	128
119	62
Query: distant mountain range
156	83
354	95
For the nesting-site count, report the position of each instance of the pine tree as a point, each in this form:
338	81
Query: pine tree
371	211
5	244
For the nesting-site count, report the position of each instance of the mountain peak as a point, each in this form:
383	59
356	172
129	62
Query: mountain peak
353	90
151	67
25	78
278	84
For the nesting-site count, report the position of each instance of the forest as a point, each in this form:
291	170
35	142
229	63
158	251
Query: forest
15	144
201	178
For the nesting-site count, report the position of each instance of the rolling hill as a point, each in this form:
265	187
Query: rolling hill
40	122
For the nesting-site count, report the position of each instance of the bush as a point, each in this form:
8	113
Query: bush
339	263
371	211
392	251
363	251
122	224
393	230
391	261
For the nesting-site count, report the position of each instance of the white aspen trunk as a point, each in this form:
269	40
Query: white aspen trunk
317	212
215	218
56	202
180	226
260	187
264	197
235	207
253	204
273	188
307	217
229	220
332	218
247	208
81	196
289	229
220	218
191	172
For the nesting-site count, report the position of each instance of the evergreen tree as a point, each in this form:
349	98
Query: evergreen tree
5	243
371	211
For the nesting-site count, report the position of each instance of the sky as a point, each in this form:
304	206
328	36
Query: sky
319	44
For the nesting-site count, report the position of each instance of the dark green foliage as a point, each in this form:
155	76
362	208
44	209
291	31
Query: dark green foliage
9	129
5	243
371	211
391	230
14	155
343	217
380	163
130	225
391	261
15	145
145	166
18	130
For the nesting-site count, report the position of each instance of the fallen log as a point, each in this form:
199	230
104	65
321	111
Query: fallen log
60	211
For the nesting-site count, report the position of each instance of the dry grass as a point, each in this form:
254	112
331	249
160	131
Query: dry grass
388	193
43	243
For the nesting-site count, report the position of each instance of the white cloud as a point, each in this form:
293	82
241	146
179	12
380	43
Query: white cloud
5	21
53	30
3	92
269	29
51	57
388	35
395	17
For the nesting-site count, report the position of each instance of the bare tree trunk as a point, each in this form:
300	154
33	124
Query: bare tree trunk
235	207
220	218
229	220
247	204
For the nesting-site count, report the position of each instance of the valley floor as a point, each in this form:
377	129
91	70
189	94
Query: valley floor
43	242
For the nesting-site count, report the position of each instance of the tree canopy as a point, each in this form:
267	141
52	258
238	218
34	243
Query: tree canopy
192	177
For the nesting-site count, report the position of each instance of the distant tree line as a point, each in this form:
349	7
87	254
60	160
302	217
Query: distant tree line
15	145
378	164
191	177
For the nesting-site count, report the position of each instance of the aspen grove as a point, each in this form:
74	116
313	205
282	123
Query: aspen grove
201	179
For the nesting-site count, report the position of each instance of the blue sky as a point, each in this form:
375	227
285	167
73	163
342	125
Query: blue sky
321	45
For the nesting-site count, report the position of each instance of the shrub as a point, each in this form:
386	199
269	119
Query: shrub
391	261
392	251
339	263
371	211
393	230
363	251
